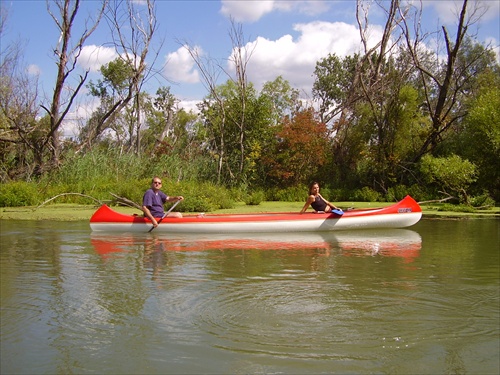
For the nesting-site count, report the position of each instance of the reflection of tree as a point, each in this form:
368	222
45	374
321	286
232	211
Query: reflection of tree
120	284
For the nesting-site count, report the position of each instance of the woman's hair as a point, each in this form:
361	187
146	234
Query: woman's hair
311	186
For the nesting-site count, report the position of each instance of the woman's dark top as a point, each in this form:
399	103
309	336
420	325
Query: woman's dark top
319	204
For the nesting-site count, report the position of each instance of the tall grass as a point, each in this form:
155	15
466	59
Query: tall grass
100	172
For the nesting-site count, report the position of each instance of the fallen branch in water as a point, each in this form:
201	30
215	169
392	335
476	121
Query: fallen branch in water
449	197
127	202
62	194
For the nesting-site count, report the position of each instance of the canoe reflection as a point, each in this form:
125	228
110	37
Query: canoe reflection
388	242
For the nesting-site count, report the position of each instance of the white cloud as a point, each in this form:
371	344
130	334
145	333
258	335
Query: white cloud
78	117
93	57
296	60
180	67
246	11
309	7
449	11
34	70
252	11
189	105
495	45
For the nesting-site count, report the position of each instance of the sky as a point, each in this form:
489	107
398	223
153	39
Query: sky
286	38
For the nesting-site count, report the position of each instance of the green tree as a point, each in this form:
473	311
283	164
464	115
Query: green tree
333	87
39	134
479	136
223	131
120	87
446	78
114	92
449	175
283	99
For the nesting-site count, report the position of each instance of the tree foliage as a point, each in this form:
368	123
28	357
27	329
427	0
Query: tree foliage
451	174
300	150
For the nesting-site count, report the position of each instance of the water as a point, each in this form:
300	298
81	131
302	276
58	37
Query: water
424	300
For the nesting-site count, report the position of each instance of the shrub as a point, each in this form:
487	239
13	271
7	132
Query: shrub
449	174
255	198
456	208
290	194
200	196
195	204
340	194
16	194
398	192
366	195
483	200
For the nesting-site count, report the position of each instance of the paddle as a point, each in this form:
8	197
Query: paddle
165	215
338	211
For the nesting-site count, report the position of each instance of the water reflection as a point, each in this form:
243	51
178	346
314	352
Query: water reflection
392	242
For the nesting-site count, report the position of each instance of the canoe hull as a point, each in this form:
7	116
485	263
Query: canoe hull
400	215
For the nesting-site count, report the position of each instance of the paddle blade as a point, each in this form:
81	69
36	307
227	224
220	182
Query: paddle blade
338	211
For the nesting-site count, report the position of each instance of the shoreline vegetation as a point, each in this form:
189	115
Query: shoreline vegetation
79	212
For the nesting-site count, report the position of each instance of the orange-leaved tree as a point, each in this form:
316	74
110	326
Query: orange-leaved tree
300	150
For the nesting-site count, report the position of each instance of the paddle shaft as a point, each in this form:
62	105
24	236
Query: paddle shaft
165	215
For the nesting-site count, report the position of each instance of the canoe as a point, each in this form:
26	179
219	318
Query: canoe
403	214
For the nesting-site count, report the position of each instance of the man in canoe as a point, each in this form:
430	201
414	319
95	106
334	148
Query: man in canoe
317	202
153	200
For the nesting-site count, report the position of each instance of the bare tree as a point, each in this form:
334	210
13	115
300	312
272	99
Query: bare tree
21	103
133	49
210	71
366	80
19	107
67	52
443	84
239	58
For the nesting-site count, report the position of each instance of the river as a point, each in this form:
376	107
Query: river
422	300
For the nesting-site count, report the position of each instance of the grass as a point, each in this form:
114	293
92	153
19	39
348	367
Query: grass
75	212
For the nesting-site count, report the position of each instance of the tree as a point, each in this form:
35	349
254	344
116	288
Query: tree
113	91
21	102
284	99
478	138
210	71
372	101
125	75
300	152
451	174
66	56
445	86
19	108
165	104
333	86
355	92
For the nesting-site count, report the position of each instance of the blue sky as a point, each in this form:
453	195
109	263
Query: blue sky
286	37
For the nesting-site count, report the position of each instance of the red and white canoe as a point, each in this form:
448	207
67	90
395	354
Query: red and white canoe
403	214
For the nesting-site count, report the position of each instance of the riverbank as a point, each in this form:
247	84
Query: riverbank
74	212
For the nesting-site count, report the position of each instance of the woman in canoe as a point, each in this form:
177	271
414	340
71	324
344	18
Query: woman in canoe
316	201
153	200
